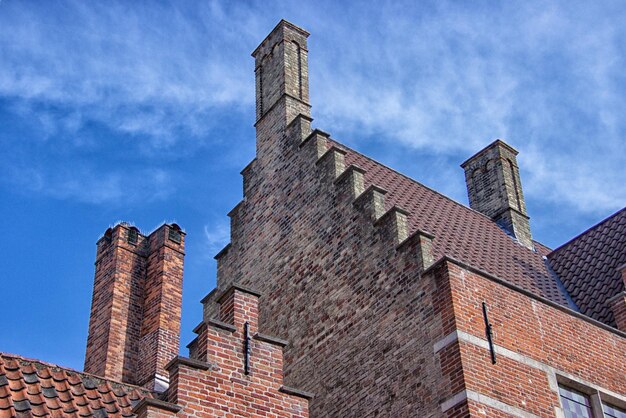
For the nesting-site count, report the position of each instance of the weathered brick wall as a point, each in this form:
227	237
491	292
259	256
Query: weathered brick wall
494	188
117	305
162	304
216	384
535	344
364	325
359	319
134	329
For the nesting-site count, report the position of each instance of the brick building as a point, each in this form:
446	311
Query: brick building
385	297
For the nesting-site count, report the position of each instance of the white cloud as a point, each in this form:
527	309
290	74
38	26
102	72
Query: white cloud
140	70
549	80
217	234
445	78
87	186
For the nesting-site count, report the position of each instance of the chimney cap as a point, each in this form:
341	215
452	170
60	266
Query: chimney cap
494	144
282	24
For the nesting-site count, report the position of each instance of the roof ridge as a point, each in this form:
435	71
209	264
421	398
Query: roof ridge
588	230
18	357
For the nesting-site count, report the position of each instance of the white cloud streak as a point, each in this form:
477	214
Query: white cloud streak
547	79
442	77
217	235
145	70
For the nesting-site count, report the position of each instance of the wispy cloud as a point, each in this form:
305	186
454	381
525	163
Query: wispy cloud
84	185
451	78
439	78
147	69
217	235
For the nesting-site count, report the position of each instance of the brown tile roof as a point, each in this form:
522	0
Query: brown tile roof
33	388
461	232
587	266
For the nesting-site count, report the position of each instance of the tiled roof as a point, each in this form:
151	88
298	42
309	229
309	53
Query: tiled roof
31	388
461	232
587	266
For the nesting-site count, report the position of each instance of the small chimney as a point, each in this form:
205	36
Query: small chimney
494	189
134	329
282	82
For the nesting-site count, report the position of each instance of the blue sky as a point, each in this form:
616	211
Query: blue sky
143	112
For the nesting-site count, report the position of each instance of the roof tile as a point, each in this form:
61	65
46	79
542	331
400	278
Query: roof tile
461	232
30	388
588	266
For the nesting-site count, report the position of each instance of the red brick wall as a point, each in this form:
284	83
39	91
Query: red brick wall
543	342
160	329
117	306
134	329
359	319
217	386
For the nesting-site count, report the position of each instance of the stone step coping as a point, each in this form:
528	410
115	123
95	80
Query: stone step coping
297	118
247	167
231	328
191	344
394	209
241	288
190	362
349	170
368	191
155	403
313	134
296	392
236	208
222	251
329	152
414	236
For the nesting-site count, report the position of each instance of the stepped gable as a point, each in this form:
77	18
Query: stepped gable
459	231
589	266
32	388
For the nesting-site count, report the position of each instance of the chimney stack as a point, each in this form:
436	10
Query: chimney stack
494	189
134	329
282	82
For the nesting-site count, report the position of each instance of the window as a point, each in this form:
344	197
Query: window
611	411
575	404
587	404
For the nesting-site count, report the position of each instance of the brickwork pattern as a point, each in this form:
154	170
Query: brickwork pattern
546	342
355	303
217	385
341	272
495	189
134	328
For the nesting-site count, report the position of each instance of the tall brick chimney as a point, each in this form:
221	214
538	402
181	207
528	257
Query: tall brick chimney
494	189
134	329
282	82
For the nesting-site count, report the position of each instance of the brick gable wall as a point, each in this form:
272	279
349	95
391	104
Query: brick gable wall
343	282
536	343
335	284
216	384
